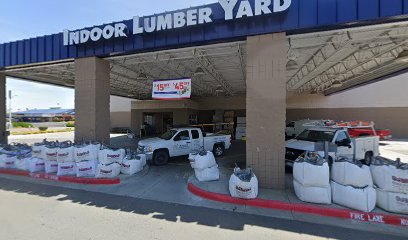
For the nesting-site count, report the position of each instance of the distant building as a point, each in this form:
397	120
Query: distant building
45	115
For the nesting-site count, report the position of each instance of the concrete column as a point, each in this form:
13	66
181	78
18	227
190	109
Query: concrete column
92	99
181	117
3	134
266	108
136	121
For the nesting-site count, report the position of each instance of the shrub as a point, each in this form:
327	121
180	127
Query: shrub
22	125
71	124
43	129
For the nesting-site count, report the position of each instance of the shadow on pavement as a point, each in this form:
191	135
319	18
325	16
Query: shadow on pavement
189	214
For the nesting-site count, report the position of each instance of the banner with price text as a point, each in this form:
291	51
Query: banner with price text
172	89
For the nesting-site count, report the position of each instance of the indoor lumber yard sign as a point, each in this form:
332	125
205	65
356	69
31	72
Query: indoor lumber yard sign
233	9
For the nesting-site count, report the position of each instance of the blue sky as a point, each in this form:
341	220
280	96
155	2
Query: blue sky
22	19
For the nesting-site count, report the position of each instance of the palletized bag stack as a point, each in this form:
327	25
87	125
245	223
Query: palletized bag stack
243	184
110	161
85	157
50	154
204	165
352	185
312	179
391	178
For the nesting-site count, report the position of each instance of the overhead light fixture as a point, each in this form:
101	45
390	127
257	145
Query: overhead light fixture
403	56
142	76
336	84
292	65
219	89
199	71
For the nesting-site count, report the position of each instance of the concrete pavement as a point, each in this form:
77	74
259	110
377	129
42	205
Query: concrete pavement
35	211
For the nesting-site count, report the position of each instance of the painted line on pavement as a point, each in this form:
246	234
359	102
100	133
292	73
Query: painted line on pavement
302	208
53	177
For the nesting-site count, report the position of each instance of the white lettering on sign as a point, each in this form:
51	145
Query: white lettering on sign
404	222
376	218
95	34
357	216
167	21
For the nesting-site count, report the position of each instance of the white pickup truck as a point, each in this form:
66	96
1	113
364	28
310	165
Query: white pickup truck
363	148
182	141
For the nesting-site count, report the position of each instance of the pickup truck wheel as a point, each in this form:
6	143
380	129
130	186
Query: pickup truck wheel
368	158
160	158
218	150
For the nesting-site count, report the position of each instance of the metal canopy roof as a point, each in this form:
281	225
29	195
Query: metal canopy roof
329	62
323	62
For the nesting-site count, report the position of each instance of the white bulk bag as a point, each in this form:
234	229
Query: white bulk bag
347	173
50	154
51	167
37	151
85	153
208	174
35	165
311	175
7	161
363	199
319	195
204	161
22	164
108	171
66	169
243	189
390	178
65	154
143	158
192	156
130	167
86	169
108	156
392	202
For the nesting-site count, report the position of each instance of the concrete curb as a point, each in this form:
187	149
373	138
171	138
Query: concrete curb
302	208
53	177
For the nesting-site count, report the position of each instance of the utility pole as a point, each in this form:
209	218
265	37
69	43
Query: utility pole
10	121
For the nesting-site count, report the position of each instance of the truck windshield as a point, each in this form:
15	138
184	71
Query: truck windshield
316	136
168	135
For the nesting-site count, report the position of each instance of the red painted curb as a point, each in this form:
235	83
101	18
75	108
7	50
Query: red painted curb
53	177
302	208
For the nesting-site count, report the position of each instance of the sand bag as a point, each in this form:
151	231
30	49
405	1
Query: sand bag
390	176
51	167
37	150
319	195
22	163
50	153
108	156
35	165
108	171
132	166
208	174
85	153
311	170
66	169
347	172
7	161
392	202
363	199
243	184
203	161
65	154
86	169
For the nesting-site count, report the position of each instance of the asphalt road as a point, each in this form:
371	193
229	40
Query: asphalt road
35	211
